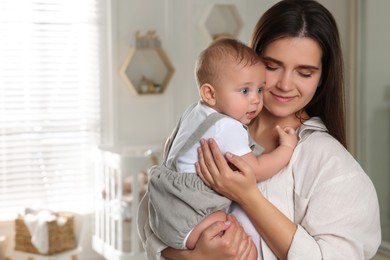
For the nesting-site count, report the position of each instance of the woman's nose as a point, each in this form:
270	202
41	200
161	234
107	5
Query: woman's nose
285	82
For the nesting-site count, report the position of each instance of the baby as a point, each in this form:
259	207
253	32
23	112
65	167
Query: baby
230	77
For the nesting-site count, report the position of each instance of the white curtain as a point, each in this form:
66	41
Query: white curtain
50	76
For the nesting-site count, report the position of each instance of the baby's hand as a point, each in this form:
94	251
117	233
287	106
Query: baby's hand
287	136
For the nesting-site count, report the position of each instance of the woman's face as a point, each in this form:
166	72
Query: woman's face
293	71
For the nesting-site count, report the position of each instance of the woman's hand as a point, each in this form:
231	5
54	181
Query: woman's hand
221	240
215	171
233	243
240	185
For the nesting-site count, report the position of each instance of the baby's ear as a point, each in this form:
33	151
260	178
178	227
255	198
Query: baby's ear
207	93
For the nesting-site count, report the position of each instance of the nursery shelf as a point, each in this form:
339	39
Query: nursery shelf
221	20
147	70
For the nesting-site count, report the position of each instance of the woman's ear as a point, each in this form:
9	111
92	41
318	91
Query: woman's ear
207	93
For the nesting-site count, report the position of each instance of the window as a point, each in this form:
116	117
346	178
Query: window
50	76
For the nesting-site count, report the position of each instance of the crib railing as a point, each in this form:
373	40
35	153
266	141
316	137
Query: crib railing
115	236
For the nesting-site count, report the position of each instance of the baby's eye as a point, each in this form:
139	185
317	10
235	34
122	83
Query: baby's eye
259	90
244	91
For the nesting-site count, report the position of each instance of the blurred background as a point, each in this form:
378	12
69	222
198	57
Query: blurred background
80	79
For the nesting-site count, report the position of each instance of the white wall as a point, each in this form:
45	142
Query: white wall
375	103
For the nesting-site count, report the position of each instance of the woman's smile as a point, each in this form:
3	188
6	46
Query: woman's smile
283	99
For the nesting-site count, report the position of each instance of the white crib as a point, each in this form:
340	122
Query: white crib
115	235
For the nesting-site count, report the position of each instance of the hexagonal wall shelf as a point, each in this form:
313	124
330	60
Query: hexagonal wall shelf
146	70
221	20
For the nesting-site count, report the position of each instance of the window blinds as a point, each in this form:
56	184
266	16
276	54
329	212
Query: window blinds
50	75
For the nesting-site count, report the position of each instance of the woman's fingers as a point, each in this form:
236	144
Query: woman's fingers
206	167
224	240
201	168
239	163
219	159
245	249
251	250
240	242
203	177
216	229
210	150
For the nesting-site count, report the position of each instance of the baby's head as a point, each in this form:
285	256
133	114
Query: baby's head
230	76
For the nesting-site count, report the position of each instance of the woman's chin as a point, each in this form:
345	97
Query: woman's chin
279	112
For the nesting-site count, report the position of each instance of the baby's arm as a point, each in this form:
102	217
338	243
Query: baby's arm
267	165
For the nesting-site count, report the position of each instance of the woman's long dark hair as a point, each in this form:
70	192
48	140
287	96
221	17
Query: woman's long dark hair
308	18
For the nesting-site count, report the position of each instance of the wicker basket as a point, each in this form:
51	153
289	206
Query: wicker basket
61	238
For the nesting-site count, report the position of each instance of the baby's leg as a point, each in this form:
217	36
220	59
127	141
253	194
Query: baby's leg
198	229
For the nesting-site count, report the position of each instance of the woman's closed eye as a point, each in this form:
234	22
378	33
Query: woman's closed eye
305	73
271	68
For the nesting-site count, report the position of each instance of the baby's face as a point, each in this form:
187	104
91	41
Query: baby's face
239	92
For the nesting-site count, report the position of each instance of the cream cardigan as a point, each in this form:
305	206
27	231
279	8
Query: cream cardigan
324	191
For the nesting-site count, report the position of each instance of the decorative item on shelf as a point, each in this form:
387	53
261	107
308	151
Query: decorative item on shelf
147	68
157	88
144	85
147	86
149	40
220	21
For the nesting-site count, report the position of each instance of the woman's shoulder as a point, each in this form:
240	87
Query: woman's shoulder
313	125
313	134
319	159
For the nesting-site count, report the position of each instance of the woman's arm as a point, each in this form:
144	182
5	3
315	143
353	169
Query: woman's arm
337	211
233	244
222	240
240	186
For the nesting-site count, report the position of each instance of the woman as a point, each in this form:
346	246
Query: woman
322	205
